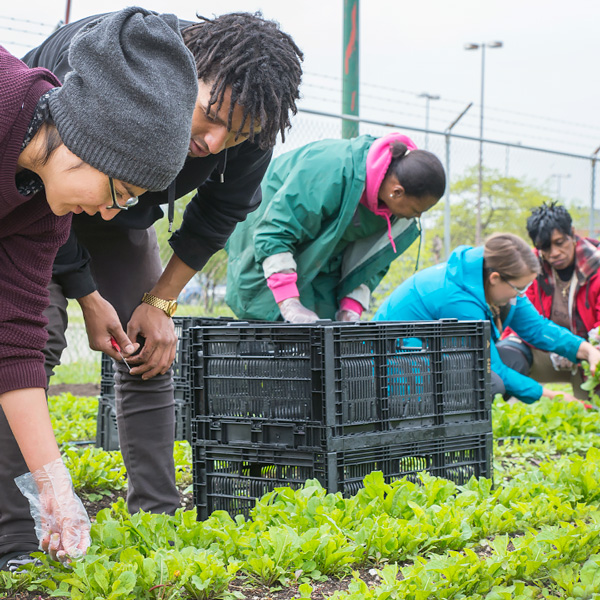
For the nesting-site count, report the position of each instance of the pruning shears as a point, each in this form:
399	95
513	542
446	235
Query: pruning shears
116	346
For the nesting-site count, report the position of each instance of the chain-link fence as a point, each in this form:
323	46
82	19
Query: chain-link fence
563	176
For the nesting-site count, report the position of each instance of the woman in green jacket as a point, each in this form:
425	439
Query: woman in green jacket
334	215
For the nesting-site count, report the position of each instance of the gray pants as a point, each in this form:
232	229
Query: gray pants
497	385
536	363
125	264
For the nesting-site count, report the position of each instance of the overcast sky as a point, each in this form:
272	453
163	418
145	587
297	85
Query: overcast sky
541	88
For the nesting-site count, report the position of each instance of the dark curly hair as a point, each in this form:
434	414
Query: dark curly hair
544	220
258	61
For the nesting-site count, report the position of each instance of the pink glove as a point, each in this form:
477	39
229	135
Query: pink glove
293	311
61	522
350	310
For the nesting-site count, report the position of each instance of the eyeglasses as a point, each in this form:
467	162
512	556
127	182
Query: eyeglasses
128	203
520	291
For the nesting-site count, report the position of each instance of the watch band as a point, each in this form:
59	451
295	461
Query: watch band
167	306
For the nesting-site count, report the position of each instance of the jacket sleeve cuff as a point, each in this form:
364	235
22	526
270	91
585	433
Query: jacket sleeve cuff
277	263
283	286
76	284
348	303
362	295
529	392
21	374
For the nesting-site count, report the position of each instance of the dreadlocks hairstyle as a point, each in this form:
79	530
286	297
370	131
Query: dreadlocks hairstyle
258	61
544	220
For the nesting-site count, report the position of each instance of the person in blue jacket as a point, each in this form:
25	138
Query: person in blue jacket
489	283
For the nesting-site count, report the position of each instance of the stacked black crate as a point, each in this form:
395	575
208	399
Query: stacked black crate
106	429
277	404
106	423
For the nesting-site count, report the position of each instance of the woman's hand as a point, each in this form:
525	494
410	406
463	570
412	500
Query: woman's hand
293	311
61	522
553	394
347	315
564	396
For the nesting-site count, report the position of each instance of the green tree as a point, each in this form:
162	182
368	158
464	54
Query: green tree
506	203
213	275
214	272
162	227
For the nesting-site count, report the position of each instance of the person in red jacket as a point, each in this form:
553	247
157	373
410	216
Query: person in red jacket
567	291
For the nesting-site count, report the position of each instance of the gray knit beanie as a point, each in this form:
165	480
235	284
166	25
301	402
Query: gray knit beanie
126	106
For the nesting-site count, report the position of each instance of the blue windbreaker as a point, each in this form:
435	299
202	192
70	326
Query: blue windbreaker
455	290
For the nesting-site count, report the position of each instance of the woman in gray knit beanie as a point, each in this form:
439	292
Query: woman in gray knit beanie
126	107
124	112
120	125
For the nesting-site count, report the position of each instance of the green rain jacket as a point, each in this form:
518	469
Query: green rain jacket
310	207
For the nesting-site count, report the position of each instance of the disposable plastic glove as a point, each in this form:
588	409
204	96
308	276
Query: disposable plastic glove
61	522
560	363
347	315
294	311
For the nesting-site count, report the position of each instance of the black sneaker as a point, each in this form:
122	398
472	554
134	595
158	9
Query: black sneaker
13	561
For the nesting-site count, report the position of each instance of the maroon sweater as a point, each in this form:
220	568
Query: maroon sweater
30	234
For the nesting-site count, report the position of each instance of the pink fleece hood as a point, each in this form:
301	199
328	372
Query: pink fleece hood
379	158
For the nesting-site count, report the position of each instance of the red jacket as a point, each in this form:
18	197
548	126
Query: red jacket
586	313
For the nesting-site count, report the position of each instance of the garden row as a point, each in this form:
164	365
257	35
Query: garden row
536	534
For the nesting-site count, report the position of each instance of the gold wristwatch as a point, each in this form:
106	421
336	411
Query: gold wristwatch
168	306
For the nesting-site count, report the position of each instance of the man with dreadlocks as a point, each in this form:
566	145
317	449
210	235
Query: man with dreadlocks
566	291
249	72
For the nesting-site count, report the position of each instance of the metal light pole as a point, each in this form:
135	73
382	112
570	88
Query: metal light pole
506	161
593	194
559	178
481	46
447	195
428	98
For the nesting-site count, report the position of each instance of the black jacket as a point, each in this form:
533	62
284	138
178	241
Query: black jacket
209	218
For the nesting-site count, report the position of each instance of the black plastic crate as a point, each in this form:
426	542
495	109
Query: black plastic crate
183	419
107	377
107	436
462	365
283	434
312	436
181	364
232	478
349	378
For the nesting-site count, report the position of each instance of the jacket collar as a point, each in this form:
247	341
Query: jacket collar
587	263
379	159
